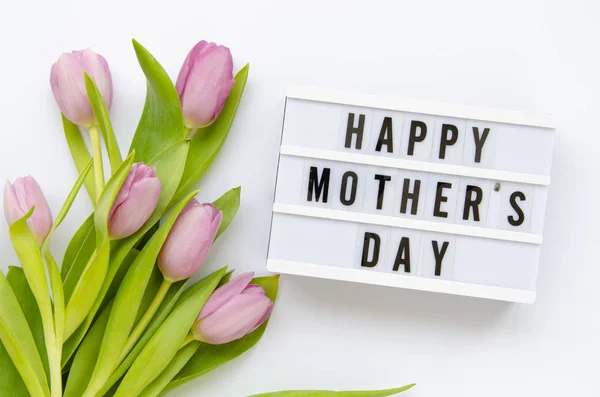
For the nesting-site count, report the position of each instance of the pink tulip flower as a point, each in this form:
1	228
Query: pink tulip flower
232	311
135	202
189	241
68	84
204	82
19	197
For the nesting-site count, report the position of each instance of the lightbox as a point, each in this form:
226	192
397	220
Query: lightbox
403	193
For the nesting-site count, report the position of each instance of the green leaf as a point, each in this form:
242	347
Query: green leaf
108	197
85	359
99	109
91	281
87	289
229	203
177	363
69	348
53	272
144	240
58	305
19	343
30	256
156	280
225	279
72	195
161	124
207	142
171	298
119	276
165	343
128	300
11	383
78	253
19	285
325	393
80	155
169	166
209	357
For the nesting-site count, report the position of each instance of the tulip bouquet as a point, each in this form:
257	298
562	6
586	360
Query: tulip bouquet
121	316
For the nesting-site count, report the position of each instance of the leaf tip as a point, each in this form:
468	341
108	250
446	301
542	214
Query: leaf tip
136	44
242	73
131	156
138	48
405	388
191	195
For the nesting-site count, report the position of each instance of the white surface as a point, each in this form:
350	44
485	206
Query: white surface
538	56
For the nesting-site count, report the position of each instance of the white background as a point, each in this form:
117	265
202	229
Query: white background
525	55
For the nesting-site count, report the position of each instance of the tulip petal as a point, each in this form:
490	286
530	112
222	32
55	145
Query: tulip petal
263	318
186	67
76	106
21	194
55	86
19	198
233	320
12	210
226	292
209	81
131	214
180	253
189	241
124	191
253	289
97	67
136	201
68	84
40	221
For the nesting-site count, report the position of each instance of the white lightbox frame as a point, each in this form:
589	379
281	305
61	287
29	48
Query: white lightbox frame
398	280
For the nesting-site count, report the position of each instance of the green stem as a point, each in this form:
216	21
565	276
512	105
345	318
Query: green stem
52	348
97	155
188	339
146	318
55	369
187	132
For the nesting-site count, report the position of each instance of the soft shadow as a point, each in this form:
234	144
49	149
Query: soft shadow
377	303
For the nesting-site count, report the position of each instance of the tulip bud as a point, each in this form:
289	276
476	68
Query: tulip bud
189	241
19	197
232	311
68	84
204	82
135	202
